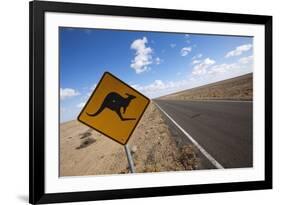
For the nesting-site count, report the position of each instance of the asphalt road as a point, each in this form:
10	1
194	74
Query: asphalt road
223	129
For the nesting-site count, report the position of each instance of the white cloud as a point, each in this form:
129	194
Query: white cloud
205	72
197	56
173	45
159	87
68	93
185	51
187	38
222	68
158	61
196	61
80	105
225	70
143	55
246	60
241	67
239	50
201	68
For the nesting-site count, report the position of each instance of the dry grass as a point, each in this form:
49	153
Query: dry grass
189	157
86	142
157	150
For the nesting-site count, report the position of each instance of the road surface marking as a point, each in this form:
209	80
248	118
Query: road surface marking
202	150
223	101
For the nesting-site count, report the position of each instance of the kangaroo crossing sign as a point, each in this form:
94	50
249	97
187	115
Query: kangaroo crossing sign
114	109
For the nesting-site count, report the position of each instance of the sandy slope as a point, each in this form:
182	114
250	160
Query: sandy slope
84	151
238	88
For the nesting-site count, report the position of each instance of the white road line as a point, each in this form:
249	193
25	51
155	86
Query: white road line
202	150
222	101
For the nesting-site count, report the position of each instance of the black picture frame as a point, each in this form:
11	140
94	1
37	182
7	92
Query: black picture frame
37	9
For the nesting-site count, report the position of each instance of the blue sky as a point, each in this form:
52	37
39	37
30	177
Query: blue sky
154	63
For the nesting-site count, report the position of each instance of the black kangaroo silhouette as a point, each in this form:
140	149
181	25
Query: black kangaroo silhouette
115	102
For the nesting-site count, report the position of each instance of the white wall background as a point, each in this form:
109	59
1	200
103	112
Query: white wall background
14	100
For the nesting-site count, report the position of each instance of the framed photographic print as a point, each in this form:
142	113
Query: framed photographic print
140	102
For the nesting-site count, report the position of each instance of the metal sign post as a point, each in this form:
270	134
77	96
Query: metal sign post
130	159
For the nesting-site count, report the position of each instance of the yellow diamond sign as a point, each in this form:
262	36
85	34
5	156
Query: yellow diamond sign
114	108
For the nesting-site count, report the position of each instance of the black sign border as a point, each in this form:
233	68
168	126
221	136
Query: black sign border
104	74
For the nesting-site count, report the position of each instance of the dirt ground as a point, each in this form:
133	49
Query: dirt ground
84	151
239	88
